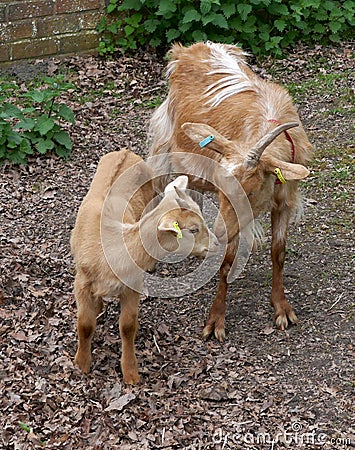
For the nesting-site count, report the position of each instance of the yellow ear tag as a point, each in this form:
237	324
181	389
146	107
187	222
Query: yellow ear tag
279	175
177	228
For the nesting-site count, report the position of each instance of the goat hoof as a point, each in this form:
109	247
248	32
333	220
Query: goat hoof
283	319
132	378
83	364
210	329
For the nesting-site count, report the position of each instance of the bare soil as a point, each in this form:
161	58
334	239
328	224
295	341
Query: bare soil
260	389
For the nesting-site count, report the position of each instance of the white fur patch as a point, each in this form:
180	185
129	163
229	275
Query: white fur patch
234	81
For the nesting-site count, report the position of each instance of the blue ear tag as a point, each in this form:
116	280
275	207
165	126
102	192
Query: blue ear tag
206	141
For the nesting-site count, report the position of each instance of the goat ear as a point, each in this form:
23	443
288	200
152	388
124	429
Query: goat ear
166	224
198	132
182	203
290	171
180	182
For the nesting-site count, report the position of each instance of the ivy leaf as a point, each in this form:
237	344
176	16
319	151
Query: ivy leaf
244	10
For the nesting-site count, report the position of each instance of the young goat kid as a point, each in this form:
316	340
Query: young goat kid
118	236
214	94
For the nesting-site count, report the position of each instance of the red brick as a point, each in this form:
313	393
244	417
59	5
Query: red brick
67	6
25	10
78	43
34	48
4	52
89	20
15	31
68	23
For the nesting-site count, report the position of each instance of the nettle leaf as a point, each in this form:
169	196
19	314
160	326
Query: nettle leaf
43	145
66	113
244	10
44	124
220	21
151	25
278	9
205	6
166	7
335	26
280	24
172	34
199	36
63	138
319	28
130	4
228	9
134	20
155	42
191	15
128	30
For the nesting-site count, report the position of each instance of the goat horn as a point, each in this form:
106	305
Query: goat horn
255	153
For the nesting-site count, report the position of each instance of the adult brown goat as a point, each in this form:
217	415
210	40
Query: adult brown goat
214	94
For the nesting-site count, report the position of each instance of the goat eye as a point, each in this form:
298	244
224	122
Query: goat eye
251	194
194	230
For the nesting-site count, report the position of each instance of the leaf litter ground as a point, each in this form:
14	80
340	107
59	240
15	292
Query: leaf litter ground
261	388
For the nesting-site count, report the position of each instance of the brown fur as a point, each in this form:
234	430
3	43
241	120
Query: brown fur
198	105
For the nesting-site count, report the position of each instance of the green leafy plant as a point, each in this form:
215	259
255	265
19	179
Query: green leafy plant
263	26
35	126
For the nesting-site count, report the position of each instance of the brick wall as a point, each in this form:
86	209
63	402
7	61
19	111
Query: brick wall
39	28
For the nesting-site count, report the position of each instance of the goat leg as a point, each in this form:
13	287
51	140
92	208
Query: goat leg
89	307
280	217
215	321
129	301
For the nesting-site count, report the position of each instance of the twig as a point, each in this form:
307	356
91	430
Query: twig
336	302
156	343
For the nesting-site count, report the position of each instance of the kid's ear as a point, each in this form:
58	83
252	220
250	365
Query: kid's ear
180	183
168	225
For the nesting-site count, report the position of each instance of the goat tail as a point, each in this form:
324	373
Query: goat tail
160	135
